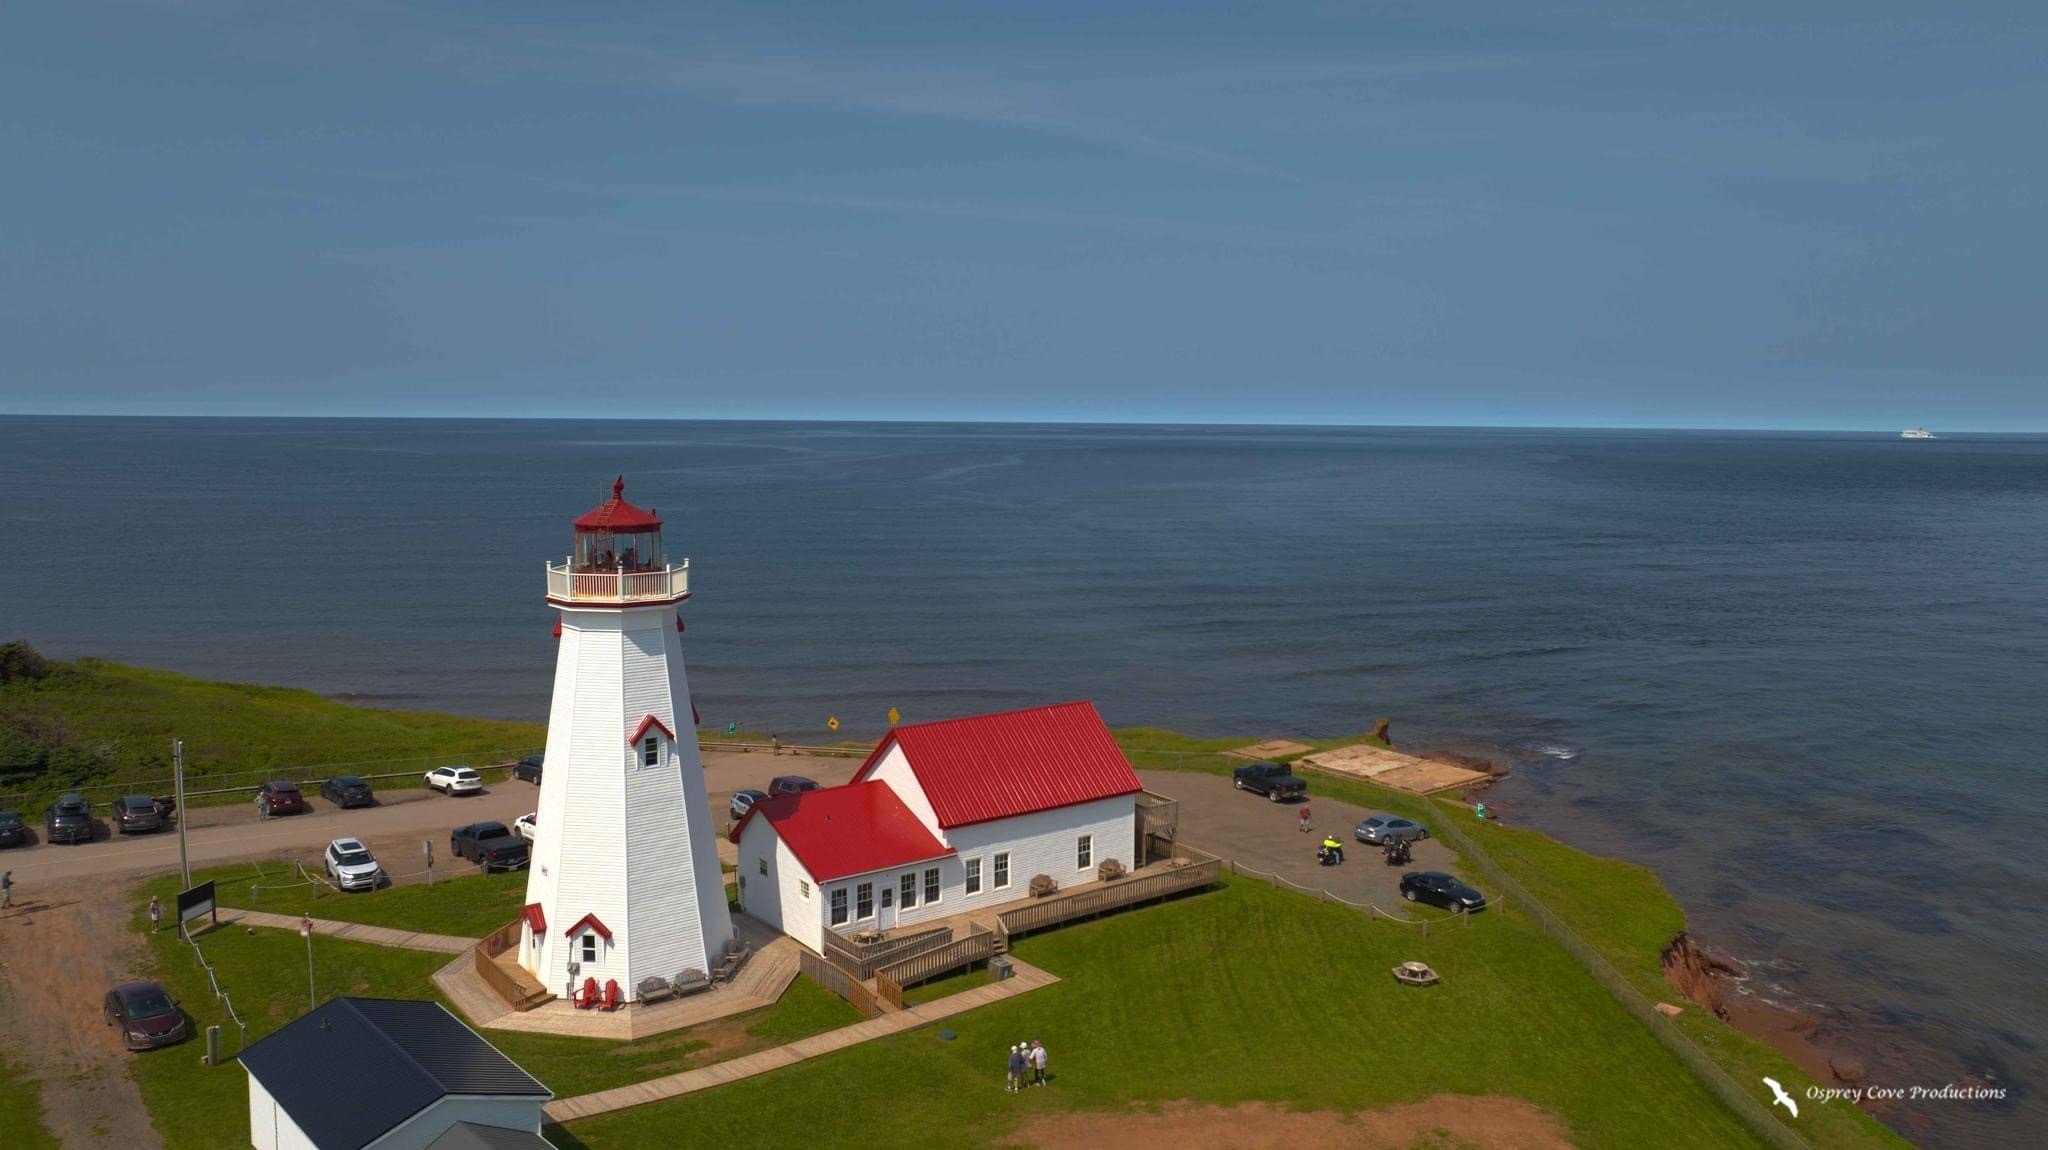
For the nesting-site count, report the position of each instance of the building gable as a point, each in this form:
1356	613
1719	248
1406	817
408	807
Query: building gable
986	767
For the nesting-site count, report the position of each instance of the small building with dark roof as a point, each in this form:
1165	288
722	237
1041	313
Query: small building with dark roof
394	1074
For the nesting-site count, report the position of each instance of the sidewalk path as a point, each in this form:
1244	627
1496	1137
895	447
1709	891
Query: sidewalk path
1027	978
380	935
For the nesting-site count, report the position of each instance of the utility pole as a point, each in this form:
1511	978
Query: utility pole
178	796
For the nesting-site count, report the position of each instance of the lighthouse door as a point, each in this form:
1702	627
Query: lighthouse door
885	914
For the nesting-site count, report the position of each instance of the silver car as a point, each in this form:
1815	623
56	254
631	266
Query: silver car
1379	830
351	866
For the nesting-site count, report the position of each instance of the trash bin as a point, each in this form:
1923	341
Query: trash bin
999	969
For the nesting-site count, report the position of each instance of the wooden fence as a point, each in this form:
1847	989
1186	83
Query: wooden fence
978	946
500	940
1190	870
839	982
862	959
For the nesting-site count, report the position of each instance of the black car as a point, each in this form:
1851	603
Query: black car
69	821
347	791
1439	889
13	832
791	784
490	846
146	1015
137	814
527	770
1272	780
279	798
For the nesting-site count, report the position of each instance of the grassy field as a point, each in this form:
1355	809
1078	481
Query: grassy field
1245	993
89	723
21	1109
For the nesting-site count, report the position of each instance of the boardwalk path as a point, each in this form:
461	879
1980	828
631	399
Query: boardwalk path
380	935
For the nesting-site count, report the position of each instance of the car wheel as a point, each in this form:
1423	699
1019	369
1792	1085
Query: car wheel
1272	796
1409	895
1238	783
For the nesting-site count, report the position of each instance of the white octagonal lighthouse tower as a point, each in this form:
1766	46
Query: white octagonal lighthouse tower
625	880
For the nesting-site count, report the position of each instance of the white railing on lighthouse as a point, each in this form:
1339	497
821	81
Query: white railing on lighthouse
569	585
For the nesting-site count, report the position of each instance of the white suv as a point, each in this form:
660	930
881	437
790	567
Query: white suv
351	866
455	780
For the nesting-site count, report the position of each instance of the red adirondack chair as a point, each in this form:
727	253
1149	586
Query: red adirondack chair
587	997
612	996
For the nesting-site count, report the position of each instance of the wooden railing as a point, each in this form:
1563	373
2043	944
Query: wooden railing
1190	870
862	959
978	946
567	584
838	982
500	940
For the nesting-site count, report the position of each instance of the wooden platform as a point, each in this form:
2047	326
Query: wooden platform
1272	749
759	984
1390	768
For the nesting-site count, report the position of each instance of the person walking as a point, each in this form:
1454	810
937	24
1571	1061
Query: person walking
7	889
156	914
1304	818
1016	1069
1037	1063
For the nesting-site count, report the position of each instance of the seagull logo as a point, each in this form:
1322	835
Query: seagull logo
1780	1098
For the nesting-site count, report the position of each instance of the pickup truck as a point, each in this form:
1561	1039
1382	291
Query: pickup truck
1270	780
490	846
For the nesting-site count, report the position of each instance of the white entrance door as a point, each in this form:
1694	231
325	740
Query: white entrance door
885	911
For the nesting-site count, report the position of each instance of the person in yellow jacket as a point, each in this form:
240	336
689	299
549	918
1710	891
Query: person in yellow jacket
1334	848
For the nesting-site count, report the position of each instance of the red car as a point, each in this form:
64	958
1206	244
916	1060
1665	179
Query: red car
146	1015
279	799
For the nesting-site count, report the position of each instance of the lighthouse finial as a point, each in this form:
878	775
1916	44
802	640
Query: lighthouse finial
619	487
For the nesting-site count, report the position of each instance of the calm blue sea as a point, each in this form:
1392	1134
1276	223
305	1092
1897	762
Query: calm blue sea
1805	677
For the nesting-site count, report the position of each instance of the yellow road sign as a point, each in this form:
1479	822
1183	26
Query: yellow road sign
894	715
832	722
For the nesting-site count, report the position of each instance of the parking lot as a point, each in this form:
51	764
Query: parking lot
1252	832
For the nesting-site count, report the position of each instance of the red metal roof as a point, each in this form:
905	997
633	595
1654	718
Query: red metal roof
617	516
652	723
1011	763
593	922
849	830
535	917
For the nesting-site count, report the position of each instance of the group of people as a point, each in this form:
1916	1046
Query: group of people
1027	1065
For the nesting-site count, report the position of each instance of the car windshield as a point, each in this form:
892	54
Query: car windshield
353	858
72	807
134	803
465	773
9	818
283	789
149	1004
489	830
348	781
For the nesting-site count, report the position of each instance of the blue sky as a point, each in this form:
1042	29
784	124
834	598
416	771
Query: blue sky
1644	214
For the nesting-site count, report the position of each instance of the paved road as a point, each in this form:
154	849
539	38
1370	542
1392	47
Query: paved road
393	829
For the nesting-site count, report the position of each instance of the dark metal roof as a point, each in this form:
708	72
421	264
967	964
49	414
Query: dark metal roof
397	1057
470	1136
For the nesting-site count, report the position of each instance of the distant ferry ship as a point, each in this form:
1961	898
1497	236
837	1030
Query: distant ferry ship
1916	433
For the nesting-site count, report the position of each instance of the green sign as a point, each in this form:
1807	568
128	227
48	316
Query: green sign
732	728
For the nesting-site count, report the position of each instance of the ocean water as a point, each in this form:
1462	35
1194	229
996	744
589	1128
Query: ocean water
1804	677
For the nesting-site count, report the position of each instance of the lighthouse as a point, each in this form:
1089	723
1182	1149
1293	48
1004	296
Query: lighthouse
624	881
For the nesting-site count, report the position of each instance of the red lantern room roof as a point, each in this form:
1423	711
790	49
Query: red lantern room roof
615	516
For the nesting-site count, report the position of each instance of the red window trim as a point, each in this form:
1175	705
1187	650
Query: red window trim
595	924
640	731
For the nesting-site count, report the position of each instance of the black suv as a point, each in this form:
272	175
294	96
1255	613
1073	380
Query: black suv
527	770
490	846
137	814
347	791
791	785
69	821
13	832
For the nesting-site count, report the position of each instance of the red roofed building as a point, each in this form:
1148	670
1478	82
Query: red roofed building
943	817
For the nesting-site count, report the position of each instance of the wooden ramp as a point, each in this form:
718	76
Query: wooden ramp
1389	768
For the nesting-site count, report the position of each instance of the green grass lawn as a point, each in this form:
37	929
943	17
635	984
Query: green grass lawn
1245	993
21	1109
470	905
264	973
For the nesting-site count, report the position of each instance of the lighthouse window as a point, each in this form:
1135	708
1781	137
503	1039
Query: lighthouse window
589	946
650	751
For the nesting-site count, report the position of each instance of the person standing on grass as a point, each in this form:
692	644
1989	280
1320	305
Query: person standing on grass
7	889
1304	818
1016	1069
156	914
1037	1063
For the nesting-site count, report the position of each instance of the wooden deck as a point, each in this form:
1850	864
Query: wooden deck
1393	769
759	983
1026	979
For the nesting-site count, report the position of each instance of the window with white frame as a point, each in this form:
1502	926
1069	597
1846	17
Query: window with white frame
864	900
1084	852
803	890
590	946
931	884
650	750
838	906
906	889
761	864
1002	869
974	875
